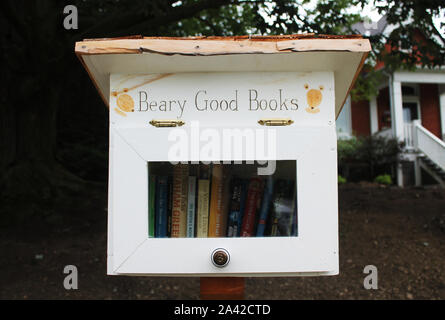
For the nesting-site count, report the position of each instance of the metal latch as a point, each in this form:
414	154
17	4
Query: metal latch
275	122
167	123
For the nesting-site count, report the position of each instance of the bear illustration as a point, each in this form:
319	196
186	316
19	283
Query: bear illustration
314	97
125	104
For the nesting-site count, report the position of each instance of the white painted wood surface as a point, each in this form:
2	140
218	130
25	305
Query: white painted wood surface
344	65
185	94
310	140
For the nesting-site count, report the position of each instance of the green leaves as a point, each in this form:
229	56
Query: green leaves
410	41
33	33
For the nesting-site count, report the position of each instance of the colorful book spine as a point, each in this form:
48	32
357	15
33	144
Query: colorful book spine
244	186
282	209
235	208
170	206
253	197
218	202
161	207
265	206
185	183
191	207
151	206
202	223
179	198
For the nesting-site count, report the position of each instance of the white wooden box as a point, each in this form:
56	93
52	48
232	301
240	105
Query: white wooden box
153	86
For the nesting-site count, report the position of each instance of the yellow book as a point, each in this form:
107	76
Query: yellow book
202	207
202	221
218	202
179	201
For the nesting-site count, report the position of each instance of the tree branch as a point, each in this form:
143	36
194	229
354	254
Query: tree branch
175	14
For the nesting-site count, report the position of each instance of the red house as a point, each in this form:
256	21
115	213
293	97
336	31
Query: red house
409	106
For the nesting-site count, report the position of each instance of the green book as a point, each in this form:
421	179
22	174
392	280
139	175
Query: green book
151	207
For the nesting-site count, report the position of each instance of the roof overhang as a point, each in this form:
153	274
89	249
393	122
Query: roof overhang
343	55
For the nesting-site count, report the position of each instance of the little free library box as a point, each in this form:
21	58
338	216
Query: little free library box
223	151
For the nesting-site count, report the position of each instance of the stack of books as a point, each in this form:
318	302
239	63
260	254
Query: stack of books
211	201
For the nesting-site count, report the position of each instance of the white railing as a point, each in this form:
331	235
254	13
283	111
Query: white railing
429	144
408	135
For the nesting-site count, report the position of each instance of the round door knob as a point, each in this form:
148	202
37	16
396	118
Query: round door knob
220	257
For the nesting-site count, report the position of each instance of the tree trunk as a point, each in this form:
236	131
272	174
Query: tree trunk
33	78
29	168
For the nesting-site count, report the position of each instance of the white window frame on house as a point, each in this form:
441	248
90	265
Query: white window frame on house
412	98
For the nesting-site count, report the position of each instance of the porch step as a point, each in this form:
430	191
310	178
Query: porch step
431	168
434	167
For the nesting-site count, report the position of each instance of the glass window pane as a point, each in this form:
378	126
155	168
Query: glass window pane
222	200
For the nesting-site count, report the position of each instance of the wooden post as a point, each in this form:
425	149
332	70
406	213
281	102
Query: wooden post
222	288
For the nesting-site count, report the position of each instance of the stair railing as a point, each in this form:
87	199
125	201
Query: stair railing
429	144
408	129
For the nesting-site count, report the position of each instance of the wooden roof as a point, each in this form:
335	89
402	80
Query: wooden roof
344	55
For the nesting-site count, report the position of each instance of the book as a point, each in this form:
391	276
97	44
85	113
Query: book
170	206
253	197
244	186
179	201
265	206
184	201
161	206
202	223
151	206
219	198
191	206
282	210
235	208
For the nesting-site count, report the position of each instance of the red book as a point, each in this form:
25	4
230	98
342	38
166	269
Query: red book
252	202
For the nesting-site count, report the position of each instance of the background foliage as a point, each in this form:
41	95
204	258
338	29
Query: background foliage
364	158
53	126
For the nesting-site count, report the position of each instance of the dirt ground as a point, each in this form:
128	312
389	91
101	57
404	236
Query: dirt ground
400	231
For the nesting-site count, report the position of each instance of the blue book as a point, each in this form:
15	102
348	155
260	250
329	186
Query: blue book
161	207
244	186
191	204
151	206
234	213
265	205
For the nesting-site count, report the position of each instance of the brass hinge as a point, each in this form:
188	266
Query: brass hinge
275	122
167	123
